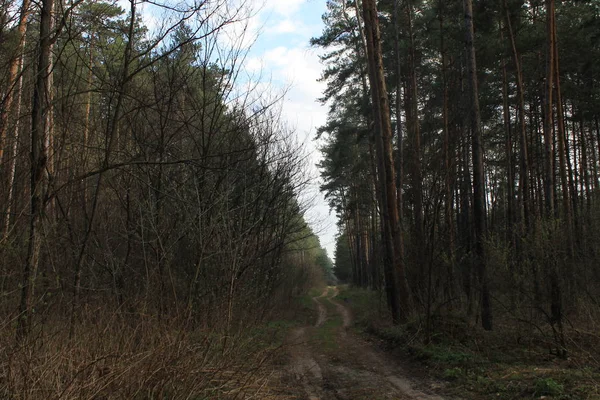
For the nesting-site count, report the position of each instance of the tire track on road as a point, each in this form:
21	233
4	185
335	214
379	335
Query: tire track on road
353	370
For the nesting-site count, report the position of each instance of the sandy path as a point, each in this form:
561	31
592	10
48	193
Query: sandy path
355	370
303	366
321	309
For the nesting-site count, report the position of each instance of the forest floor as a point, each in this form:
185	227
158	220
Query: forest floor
330	361
514	361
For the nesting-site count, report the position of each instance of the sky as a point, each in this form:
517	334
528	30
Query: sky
283	54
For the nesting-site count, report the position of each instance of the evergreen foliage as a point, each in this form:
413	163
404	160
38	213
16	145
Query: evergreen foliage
426	62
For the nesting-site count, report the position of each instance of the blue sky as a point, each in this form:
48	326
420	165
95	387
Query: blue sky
289	23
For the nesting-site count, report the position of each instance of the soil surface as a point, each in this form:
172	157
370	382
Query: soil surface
330	361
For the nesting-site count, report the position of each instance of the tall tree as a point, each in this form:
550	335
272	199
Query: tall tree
548	112
524	162
40	108
396	283
479	202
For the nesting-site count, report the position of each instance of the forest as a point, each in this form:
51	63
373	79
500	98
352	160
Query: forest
461	157
154	239
150	203
493	158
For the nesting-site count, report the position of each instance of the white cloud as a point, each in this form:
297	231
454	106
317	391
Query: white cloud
285	26
255	16
254	65
300	68
284	8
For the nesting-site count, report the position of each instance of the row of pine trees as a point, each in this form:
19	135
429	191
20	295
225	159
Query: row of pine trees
461	155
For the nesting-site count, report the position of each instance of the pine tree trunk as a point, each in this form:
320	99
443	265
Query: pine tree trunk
556	303
548	113
585	167
39	158
510	214
13	75
398	108
562	163
524	157
415	132
447	163
464	216
479	213
394	266
594	184
86	124
13	157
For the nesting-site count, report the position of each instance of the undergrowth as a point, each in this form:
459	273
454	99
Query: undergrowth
510	362
136	356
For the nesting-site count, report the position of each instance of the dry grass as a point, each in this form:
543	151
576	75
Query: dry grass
116	356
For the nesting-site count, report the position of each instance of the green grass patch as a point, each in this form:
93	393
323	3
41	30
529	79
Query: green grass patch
305	308
327	333
548	387
474	374
306	302
452	374
365	304
303	311
270	335
315	292
447	355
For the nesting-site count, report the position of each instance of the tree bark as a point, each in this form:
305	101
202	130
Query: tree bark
510	179
479	212
13	75
394	267
524	164
415	132
13	157
398	108
38	179
448	164
548	113
562	156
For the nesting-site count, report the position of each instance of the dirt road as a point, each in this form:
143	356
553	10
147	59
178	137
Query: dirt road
328	361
